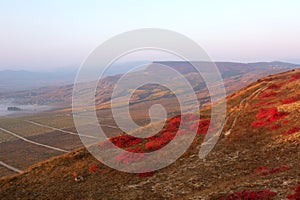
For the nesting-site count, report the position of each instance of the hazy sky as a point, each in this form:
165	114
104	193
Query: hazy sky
40	34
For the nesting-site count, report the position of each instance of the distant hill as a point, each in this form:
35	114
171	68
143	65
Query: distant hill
17	80
235	75
11	80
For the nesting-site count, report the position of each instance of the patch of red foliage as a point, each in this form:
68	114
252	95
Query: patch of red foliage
275	126
124	140
296	195
264	170
268	115
275	86
146	174
173	124
136	149
251	195
267	94
292	130
121	141
94	168
295	77
285	121
290	100
202	128
128	157
157	142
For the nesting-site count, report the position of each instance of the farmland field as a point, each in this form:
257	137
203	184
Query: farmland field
41	139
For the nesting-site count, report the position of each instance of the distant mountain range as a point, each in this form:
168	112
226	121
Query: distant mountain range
17	80
36	88
11	80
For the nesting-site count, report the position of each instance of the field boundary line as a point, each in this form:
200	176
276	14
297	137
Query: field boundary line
57	129
33	142
10	167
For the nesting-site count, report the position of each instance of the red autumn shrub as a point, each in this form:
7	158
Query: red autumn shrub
146	174
136	149
267	94
174	122
263	170
296	195
285	121
158	141
274	86
291	99
259	123
275	126
156	144
202	128
268	115
251	195
295	77
124	140
94	168
128	157
288	100
292	130
278	169
168	136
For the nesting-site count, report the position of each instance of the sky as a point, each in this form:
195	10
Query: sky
49	34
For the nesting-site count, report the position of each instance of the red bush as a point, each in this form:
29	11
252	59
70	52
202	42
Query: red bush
285	121
292	130
295	77
274	86
267	94
173	124
275	126
124	140
259	123
263	170
146	174
94	168
268	115
156	144
202	128
128	157
251	195
136	149
290	100
296	195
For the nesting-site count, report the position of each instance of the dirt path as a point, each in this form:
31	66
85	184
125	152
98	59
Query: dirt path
10	167
241	108
33	142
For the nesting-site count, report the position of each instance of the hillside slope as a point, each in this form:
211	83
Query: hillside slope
256	156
